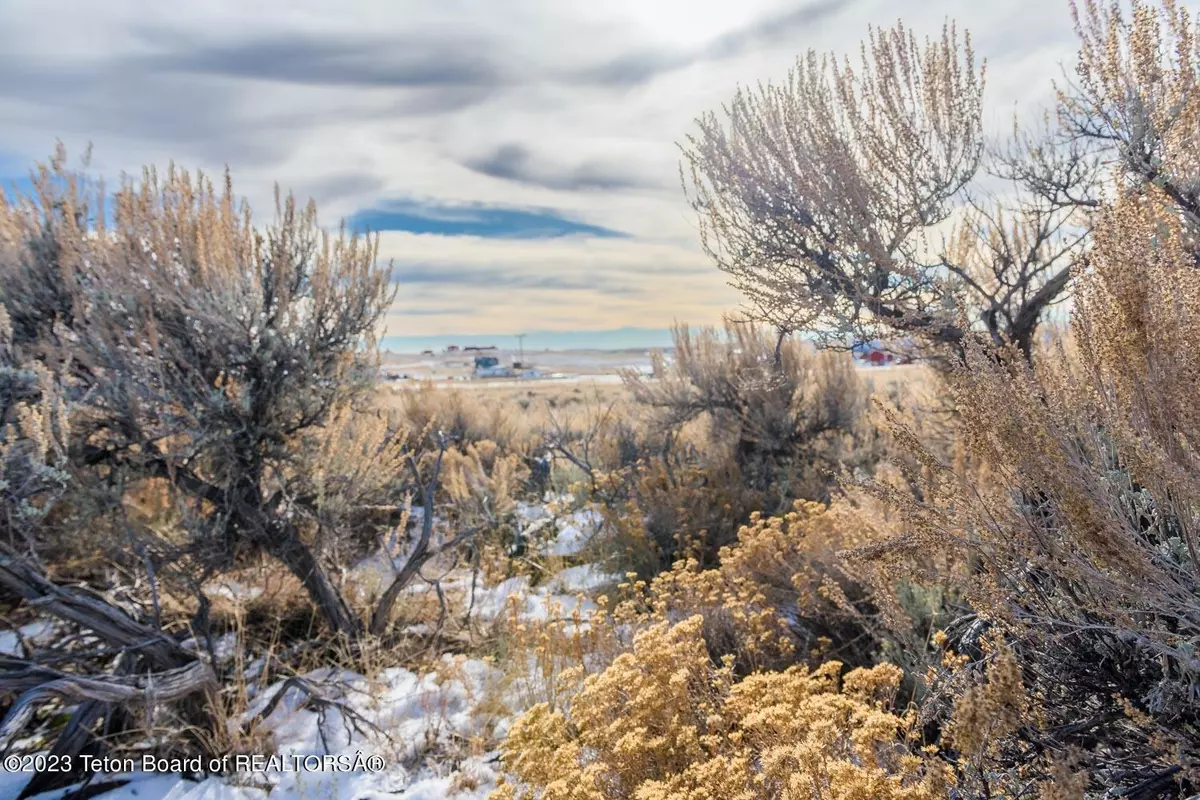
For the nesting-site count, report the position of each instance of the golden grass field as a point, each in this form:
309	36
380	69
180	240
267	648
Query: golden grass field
523	410
586	368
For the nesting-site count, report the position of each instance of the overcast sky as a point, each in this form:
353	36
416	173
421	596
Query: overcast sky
519	154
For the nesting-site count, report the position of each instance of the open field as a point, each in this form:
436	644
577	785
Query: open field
521	413
563	364
566	368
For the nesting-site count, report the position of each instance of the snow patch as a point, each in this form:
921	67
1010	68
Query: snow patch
584	578
38	634
417	723
232	590
400	716
576	532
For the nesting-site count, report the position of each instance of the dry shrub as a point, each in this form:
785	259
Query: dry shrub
481	486
201	348
990	708
481	480
1068	519
351	471
1084	546
786	412
779	593
219	371
685	710
659	511
545	658
822	197
34	422
747	421
663	721
461	416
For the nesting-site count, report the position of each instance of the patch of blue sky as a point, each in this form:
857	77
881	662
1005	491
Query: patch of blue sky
472	220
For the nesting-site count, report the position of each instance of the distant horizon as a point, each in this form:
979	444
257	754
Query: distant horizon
626	338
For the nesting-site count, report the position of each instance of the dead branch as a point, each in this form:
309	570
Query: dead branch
421	552
167	686
355	722
85	608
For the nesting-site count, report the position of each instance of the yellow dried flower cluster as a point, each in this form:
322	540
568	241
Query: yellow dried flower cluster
555	653
663	721
992	709
1064	782
781	580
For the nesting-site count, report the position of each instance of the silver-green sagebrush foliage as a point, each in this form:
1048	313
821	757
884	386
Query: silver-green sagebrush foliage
34	420
199	348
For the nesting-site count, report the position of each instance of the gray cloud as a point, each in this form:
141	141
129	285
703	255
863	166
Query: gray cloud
330	191
106	98
196	94
516	162
331	60
638	67
635	68
499	279
771	30
436	311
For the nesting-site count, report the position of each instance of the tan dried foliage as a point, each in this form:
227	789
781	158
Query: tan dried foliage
742	420
1137	86
663	721
779	592
1084	541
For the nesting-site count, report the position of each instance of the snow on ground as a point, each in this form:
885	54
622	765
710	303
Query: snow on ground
35	633
539	604
553	528
554	532
576	532
584	578
573	529
141	786
399	718
418	725
225	647
233	590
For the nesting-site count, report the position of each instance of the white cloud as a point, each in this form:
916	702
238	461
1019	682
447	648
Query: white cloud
358	101
556	284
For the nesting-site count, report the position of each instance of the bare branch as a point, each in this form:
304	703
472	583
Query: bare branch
47	684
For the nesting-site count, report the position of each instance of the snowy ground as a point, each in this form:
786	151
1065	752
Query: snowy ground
12	643
405	739
403	736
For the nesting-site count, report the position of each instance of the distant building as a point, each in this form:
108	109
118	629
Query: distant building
873	352
426	352
452	348
490	367
878	353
